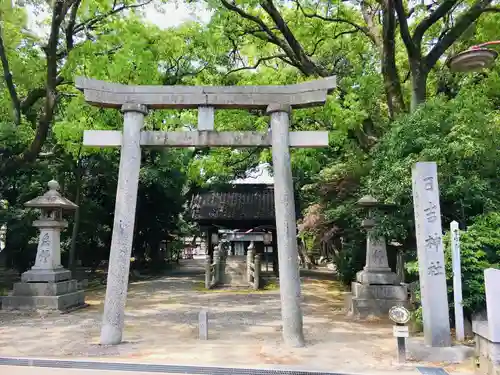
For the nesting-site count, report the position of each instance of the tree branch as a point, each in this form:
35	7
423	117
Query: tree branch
441	11
246	157
71	25
59	11
362	29
270	36
491	10
308	66
462	24
316	46
10	82
412	49
256	65
372	30
36	94
90	23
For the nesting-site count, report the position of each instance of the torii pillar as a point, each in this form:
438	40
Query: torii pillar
134	101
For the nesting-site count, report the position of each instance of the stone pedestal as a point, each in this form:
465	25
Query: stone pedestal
376	288
376	300
487	349
47	285
36	295
487	331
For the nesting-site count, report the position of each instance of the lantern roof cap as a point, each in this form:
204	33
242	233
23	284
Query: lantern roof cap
368	201
51	199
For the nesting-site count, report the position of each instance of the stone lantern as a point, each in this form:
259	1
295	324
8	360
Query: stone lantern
376	270
376	288
47	285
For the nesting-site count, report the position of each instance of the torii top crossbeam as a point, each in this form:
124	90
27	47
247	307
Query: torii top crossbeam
114	95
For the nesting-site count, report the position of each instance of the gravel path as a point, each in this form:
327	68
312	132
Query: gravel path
244	329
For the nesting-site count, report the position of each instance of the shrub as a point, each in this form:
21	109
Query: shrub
479	249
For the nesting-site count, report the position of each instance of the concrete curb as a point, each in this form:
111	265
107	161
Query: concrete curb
157	368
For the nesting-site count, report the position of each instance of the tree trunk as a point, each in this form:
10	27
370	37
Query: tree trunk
76	222
303	254
392	83
419	84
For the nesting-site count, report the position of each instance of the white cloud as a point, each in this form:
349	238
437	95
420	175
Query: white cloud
171	14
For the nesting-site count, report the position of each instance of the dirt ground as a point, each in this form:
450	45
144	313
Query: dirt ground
244	329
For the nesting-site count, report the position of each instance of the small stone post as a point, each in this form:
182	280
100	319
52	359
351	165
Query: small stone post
217	261
256	278
123	227
208	272
47	285
286	227
203	324
457	281
250	260
430	254
3	238
492	291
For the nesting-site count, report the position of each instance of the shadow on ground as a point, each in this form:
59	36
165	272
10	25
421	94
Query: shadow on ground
244	328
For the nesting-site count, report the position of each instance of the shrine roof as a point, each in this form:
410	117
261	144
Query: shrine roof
236	202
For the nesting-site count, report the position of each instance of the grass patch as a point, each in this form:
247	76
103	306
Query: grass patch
272	285
336	286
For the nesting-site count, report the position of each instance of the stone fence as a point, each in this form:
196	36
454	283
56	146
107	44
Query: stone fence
487	329
253	269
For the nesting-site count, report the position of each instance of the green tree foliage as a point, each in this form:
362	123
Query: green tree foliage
479	249
109	41
463	136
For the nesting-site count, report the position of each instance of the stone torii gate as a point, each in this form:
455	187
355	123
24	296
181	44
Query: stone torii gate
134	102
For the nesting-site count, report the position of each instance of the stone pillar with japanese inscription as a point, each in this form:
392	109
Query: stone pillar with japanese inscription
47	285
377	288
433	289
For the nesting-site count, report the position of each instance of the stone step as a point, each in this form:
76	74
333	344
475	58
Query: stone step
235	272
28	303
45	289
386	292
44	276
373	307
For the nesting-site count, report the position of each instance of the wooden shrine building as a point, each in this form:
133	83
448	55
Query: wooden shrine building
241	207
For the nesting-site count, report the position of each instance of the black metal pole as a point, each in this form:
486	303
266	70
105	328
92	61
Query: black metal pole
401	347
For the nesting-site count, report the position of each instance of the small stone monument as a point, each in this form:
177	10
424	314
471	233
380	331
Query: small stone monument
47	285
376	288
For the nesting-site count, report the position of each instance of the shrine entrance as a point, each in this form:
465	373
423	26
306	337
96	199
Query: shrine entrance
239	216
135	101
